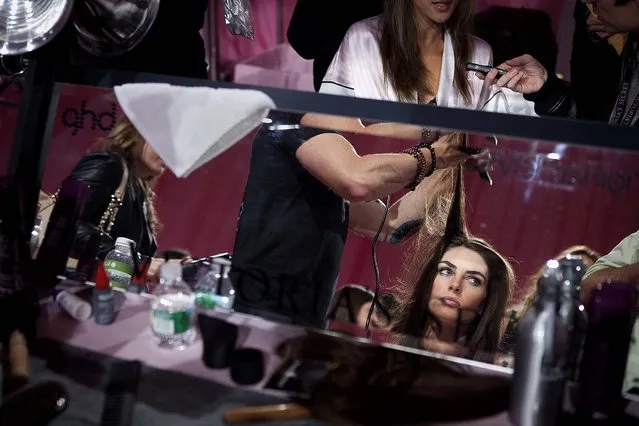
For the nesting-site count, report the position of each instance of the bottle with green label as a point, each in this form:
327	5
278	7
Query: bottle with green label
118	263
215	290
172	310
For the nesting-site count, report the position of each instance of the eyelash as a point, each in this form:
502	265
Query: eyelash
476	282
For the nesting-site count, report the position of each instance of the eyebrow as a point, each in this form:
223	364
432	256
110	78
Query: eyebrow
468	272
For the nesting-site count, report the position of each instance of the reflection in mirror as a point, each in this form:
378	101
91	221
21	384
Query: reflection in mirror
294	219
191	218
540	188
298	191
526	215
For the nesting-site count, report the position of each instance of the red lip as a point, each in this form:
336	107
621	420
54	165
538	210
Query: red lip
450	302
443	5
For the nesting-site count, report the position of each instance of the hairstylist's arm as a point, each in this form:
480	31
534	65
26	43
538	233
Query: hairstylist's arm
330	158
406	215
354	125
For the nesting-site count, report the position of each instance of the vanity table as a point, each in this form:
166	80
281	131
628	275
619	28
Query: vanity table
176	386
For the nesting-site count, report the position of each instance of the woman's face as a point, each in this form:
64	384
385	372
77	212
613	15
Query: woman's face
460	283
438	11
620	16
151	163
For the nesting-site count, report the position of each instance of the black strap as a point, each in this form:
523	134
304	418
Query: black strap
620	116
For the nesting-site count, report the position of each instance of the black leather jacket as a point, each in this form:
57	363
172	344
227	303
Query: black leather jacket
103	172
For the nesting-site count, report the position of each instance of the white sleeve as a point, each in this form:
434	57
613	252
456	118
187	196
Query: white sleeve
338	79
624	254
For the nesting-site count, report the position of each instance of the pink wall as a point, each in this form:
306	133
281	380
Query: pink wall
536	207
234	49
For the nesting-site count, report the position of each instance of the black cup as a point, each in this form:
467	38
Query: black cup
218	338
247	366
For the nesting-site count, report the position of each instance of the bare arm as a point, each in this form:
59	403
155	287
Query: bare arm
404	219
619	265
331	159
354	125
408	213
625	274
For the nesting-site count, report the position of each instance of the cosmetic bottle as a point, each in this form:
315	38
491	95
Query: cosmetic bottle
214	289
103	301
77	308
172	310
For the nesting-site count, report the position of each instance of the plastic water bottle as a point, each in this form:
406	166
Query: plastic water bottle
214	289
118	264
172	311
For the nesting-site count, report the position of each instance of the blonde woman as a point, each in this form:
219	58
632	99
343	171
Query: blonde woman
103	169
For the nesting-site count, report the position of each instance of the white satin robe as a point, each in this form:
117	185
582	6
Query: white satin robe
356	70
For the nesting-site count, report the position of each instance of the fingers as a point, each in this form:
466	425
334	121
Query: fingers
519	61
492	77
482	162
506	79
480	76
512	84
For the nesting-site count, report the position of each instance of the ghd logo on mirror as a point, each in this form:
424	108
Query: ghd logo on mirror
85	118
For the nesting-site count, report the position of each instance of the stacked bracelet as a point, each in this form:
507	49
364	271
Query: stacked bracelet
422	170
433	161
428	137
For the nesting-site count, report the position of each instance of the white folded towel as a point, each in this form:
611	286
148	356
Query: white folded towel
189	126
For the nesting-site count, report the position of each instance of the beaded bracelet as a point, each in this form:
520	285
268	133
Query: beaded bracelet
422	171
433	161
428	138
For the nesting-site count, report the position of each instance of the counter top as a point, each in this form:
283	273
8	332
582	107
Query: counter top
175	385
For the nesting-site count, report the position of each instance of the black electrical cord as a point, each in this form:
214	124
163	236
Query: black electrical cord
375	265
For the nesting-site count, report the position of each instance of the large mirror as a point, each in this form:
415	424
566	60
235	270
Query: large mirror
302	243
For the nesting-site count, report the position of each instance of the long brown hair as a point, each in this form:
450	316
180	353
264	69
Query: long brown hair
401	56
485	331
125	141
530	292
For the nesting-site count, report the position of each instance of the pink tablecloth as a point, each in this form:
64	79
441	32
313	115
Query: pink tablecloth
130	338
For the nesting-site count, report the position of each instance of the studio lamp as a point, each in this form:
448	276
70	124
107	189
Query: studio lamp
27	25
113	27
